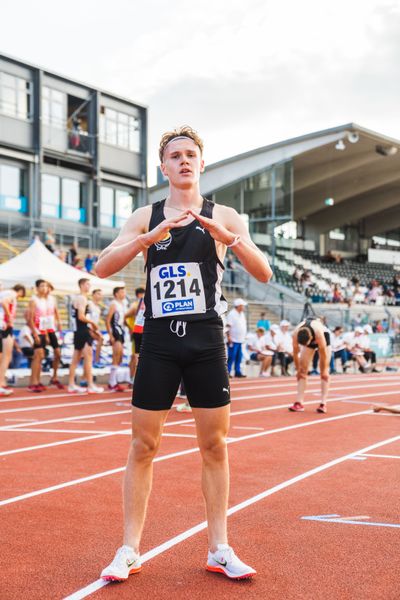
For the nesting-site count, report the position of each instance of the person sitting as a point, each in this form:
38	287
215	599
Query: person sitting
284	346
339	349
355	344
259	352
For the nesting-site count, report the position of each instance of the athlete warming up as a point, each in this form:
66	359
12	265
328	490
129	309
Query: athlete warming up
311	335
184	239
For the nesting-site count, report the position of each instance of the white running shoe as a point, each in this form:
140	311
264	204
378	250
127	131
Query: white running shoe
225	561
265	374
125	562
75	389
5	391
95	389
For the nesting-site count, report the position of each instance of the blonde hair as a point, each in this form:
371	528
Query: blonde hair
183	131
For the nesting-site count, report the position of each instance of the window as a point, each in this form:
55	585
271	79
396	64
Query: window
62	198
15	96
119	129
53	108
116	206
12	183
337	234
51	197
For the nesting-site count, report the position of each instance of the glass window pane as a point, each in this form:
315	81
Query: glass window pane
57	114
9	101
111	115
45	92
8	80
111	132
57	96
106	206
102	128
123	207
50	190
134	135
22	105
71	193
46	111
123	133
10	181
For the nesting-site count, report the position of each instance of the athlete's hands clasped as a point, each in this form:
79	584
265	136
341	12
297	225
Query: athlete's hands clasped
161	231
217	231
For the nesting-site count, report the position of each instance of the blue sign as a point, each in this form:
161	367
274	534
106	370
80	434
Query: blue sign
177	306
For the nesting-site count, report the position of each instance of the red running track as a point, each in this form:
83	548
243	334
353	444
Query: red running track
62	460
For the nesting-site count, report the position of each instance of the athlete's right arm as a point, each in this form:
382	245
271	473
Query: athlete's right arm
133	238
30	320
108	321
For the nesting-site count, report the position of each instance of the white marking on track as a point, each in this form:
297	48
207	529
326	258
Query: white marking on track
255	428
381	455
99	583
175	454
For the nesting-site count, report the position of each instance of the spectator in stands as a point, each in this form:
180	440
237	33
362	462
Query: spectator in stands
297	275
263	322
377	327
385	325
284	345
339	349
359	294
337	293
348	293
374	292
270	344
354	342
258	350
369	354
8	309
89	263
236	335
72	257
49	240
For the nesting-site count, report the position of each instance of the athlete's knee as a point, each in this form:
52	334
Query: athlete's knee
144	448
213	449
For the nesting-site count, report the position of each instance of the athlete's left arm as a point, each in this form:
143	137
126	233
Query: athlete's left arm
57	317
226	227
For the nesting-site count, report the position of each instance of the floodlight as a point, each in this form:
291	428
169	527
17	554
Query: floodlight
340	145
386	150
353	137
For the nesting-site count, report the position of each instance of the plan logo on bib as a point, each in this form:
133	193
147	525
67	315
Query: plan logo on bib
163	244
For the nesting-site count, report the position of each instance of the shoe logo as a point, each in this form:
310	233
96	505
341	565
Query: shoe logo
225	390
129	563
202	229
223	564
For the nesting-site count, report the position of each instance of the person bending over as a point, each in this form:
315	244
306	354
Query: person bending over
308	337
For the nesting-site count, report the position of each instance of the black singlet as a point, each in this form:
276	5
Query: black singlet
313	344
77	324
184	272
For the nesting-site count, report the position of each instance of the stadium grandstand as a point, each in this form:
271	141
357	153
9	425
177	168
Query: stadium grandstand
324	207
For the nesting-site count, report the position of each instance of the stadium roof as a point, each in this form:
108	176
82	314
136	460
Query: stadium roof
358	168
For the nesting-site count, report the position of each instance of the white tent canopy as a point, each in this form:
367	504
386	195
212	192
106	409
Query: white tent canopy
36	262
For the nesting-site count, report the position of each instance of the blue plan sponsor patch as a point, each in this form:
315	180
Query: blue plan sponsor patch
177	306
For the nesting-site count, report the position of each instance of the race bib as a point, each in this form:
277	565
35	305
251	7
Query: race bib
177	289
46	323
139	320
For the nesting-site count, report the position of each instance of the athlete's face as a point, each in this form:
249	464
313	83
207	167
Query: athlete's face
97	296
182	163
85	287
120	295
43	289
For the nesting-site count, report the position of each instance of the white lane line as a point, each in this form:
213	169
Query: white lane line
82	421
184	423
34	396
20	420
381	455
64	405
264	389
66	419
255	428
39	430
174	455
52	444
99	583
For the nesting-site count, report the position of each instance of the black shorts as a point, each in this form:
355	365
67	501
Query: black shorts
198	357
137	340
7	331
51	340
118	335
81	338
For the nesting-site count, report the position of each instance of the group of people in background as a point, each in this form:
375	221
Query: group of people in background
43	330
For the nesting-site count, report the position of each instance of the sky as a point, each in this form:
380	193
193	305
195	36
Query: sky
243	74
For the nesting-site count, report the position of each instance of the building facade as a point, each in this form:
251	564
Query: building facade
72	157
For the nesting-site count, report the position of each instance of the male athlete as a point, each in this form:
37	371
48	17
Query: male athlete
8	310
82	340
43	318
184	240
94	314
311	335
135	313
115	327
